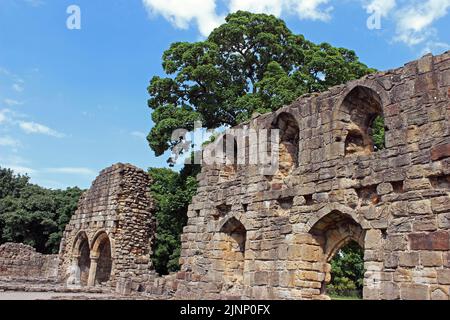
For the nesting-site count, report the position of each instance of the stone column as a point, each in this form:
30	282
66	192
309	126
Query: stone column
92	272
74	271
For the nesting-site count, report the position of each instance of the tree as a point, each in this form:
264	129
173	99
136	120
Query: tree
347	271
378	133
34	215
251	63
172	192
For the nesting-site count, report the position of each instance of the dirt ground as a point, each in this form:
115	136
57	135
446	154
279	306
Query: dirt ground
50	296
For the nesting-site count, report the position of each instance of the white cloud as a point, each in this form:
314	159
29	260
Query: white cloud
274	7
382	7
414	21
20	169
138	134
305	9
435	46
12	102
9	142
311	9
72	170
36	128
181	13
17	87
2	116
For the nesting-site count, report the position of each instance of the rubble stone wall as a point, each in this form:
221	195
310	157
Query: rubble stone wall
19	261
254	235
109	237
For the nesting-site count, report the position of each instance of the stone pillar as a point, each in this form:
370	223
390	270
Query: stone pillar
92	272
74	272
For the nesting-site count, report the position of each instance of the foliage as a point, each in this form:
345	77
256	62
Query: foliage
34	215
347	271
378	133
172	192
252	63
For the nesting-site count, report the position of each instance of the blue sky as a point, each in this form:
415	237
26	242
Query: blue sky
73	102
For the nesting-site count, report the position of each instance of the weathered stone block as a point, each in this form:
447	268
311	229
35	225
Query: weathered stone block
431	259
443	276
439	240
414	292
409	259
440	152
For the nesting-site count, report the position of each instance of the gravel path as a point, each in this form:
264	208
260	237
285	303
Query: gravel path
48	296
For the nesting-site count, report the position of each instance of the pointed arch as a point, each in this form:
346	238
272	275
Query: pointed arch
288	154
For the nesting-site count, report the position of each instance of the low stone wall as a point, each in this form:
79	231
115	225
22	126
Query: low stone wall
20	261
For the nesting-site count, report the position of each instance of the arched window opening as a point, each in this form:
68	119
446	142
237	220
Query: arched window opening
102	266
341	242
228	158
81	262
84	261
347	272
365	127
104	262
233	236
288	144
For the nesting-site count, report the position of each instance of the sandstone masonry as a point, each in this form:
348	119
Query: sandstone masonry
109	238
257	236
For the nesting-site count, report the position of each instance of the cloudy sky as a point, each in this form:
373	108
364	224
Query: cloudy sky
74	101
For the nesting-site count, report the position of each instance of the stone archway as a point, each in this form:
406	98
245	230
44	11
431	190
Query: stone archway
80	260
360	109
232	240
101	260
332	232
288	153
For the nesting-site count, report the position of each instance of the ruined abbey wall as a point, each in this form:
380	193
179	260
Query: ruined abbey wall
258	235
19	261
108	240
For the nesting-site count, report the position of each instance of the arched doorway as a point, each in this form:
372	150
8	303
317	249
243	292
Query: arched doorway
347	272
334	232
365	127
289	144
101	260
233	237
81	260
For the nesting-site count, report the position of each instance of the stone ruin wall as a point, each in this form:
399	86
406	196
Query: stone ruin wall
256	236
252	234
19	261
117	209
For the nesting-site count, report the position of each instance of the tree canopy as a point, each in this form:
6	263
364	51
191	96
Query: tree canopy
172	192
251	63
34	215
347	271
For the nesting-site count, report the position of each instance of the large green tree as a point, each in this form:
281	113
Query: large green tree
34	215
347	271
251	63
172	192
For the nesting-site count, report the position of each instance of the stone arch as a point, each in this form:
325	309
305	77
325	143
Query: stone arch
356	114
335	207
81	261
288	154
332	232
232	238
101	257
